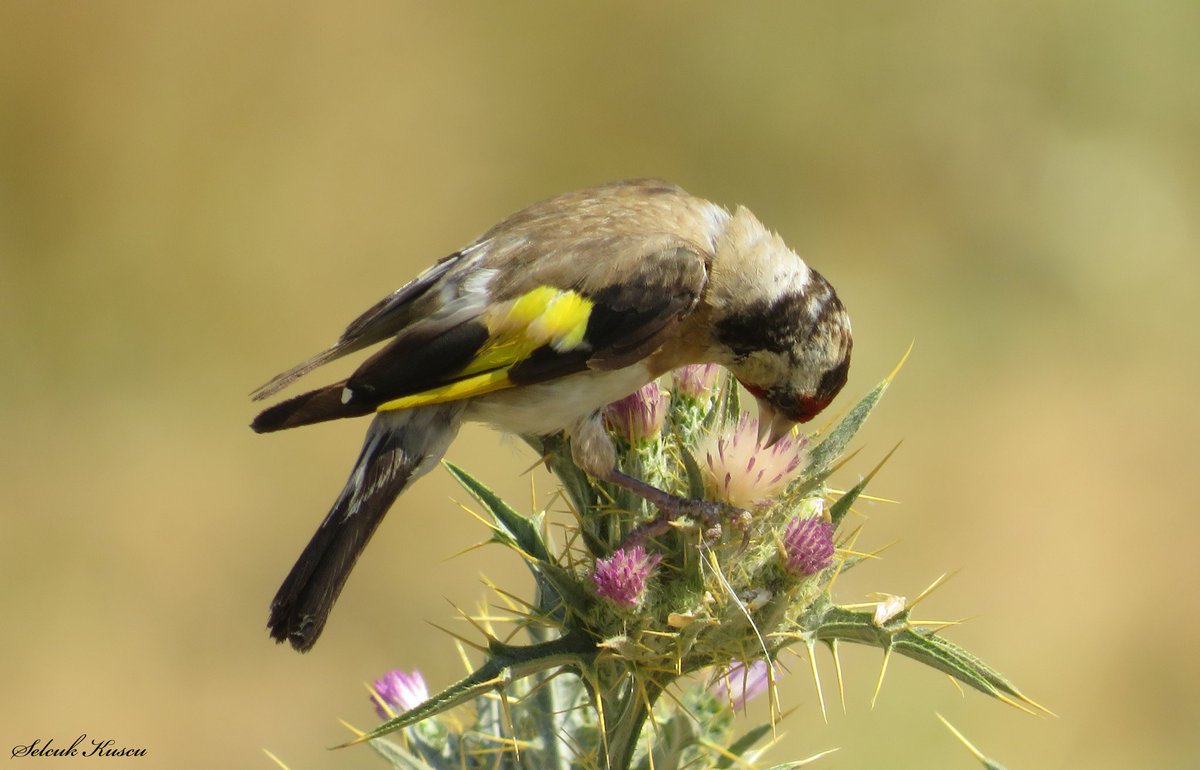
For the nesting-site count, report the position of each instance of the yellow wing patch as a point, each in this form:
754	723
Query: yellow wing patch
543	316
471	386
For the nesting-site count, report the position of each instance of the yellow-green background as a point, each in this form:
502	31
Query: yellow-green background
194	196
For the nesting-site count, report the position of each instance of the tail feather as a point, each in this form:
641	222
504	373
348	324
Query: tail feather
317	405
282	380
399	448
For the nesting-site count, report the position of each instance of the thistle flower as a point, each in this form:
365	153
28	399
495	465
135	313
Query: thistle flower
400	691
694	381
739	472
807	546
740	684
621	578
640	415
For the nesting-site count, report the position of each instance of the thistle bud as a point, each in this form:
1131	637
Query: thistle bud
640	415
807	546
694	381
400	691
621	578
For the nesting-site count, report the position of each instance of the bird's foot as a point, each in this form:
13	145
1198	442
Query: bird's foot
673	507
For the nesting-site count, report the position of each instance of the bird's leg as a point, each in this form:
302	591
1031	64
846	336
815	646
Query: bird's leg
671	507
593	451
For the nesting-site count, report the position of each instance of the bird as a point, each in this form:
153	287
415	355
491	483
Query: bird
562	308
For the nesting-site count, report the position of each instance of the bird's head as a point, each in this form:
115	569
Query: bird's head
791	352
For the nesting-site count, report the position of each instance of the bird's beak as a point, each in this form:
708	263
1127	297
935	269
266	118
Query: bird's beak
772	426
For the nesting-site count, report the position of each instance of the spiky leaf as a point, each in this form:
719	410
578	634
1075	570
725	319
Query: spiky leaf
505	664
841	507
824	454
516	531
515	528
920	644
398	756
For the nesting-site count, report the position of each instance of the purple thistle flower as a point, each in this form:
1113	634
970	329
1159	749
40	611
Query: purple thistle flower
400	691
808	546
740	684
640	415
695	380
740	472
621	578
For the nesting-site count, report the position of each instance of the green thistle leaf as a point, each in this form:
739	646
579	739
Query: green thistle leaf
824	455
519	533
398	756
505	664
515	529
920	644
839	509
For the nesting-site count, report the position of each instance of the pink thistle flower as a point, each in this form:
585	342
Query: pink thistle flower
640	415
621	578
740	684
695	380
808	546
400	691
739	472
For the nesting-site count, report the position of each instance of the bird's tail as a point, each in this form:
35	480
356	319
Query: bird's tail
318	405
400	447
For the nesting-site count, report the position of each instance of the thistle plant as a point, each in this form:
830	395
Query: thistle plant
640	643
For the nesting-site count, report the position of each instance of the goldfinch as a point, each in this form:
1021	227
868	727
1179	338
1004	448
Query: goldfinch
562	308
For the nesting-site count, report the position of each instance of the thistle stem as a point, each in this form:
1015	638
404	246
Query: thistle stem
633	708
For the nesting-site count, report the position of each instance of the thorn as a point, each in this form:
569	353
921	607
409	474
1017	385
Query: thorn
512	730
887	655
716	568
479	517
459	639
1035	704
963	740
876	499
1004	698
276	759
462	655
837	667
387	707
903	358
357	733
932	587
481	628
816	675
934	626
772	700
814	757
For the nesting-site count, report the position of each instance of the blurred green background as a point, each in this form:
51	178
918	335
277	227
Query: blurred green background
194	196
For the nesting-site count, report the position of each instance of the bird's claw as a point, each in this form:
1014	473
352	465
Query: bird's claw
709	513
